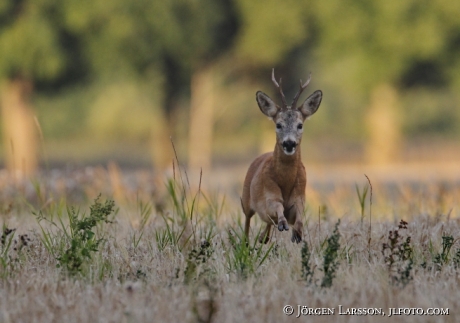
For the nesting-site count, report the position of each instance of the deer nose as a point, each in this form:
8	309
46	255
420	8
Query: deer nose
289	145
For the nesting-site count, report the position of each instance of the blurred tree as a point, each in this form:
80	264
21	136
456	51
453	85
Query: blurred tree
30	51
156	42
368	47
149	54
205	30
270	30
169	40
122	44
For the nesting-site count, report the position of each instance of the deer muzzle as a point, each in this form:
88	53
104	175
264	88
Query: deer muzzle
289	147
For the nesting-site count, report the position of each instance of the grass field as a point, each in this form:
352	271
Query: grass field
172	250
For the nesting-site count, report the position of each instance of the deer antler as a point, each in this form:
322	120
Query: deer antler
279	87
302	87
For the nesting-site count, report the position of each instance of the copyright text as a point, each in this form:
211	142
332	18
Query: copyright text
303	310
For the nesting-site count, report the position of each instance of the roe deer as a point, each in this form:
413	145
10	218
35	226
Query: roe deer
275	183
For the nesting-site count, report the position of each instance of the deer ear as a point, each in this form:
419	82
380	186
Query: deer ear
311	104
266	105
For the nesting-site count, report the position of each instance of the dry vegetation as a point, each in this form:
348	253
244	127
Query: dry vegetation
177	254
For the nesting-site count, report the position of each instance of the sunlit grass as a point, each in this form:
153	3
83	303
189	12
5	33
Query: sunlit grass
177	253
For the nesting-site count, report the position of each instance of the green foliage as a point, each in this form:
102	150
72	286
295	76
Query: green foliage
388	34
132	37
173	235
179	197
82	237
307	271
197	262
361	45
456	259
330	259
398	256
331	253
443	257
73	245
144	53
145	211
195	32
362	200
116	34
183	216
5	257
12	251
30	41
277	27
242	258
430	112
123	111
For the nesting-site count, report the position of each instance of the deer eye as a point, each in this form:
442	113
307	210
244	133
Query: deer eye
278	126
300	126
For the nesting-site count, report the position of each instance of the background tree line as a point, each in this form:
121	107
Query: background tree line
94	78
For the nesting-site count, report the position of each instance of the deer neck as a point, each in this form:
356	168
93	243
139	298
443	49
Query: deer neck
285	167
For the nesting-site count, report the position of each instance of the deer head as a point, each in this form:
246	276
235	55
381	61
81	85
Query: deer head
289	119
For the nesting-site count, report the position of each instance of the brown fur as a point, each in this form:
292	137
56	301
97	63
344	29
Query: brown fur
275	183
274	187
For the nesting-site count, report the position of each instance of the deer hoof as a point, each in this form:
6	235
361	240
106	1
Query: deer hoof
264	239
282	225
296	237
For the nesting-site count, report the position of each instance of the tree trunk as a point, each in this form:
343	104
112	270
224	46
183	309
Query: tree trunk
201	119
384	126
19	128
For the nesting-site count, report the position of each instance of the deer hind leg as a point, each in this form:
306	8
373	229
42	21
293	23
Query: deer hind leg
265	236
248	213
294	219
297	232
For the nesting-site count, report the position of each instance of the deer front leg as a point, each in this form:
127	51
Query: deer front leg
295	219
276	211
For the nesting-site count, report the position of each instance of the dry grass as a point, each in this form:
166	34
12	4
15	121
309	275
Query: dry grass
134	277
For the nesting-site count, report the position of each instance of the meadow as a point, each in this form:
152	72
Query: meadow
99	244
